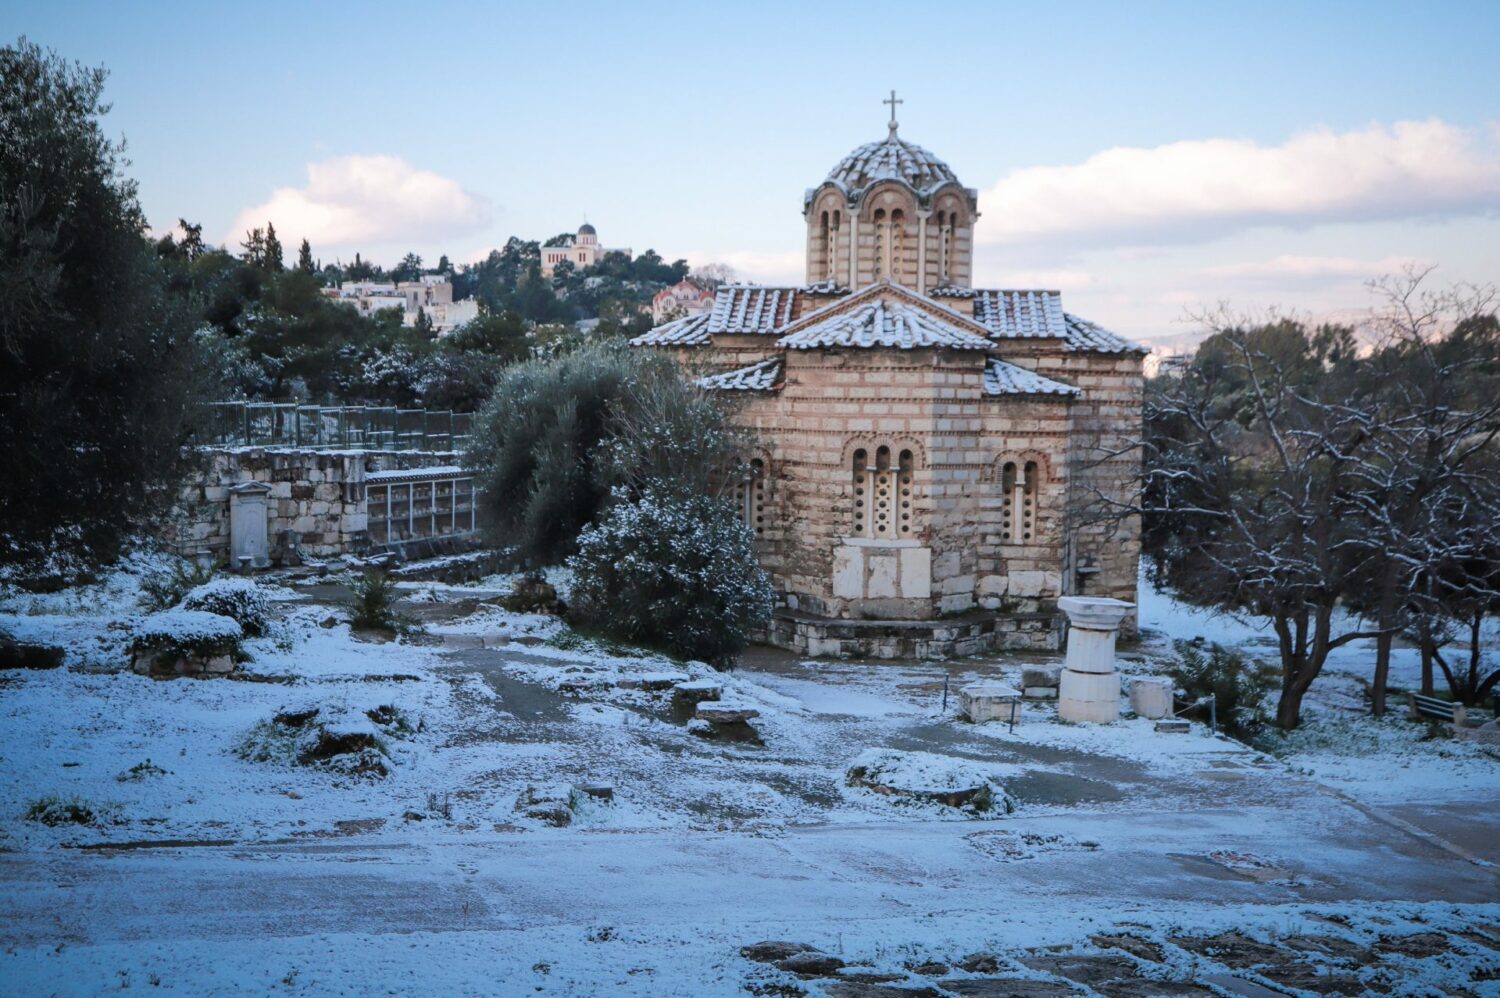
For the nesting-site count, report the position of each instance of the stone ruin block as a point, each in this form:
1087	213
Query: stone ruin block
1040	682
981	702
1151	697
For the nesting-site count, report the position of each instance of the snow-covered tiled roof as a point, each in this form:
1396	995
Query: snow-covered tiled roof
892	158
689	331
1001	378
751	309
882	322
1020	314
761	377
1086	335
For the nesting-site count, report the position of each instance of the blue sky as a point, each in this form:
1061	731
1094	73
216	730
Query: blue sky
1145	158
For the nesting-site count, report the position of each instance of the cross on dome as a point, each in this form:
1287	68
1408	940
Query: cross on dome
893	101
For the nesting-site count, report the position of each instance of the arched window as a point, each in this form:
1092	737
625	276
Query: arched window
884	489
881	251
825	262
753	496
897	244
945	246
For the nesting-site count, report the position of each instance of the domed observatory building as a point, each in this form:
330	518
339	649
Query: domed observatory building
931	454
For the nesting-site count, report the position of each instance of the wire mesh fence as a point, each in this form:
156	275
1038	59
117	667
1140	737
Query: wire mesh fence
337	427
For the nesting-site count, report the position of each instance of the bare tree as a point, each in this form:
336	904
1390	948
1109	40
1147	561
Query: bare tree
1433	397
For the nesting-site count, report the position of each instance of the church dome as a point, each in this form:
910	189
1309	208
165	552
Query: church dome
892	158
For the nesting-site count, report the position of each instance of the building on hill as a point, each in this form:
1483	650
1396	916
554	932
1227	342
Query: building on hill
431	294
581	250
682	298
928	451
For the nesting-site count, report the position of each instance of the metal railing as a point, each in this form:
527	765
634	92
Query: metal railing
335	427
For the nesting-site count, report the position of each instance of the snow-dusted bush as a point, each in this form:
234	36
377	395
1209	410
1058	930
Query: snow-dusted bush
674	571
348	742
186	633
239	599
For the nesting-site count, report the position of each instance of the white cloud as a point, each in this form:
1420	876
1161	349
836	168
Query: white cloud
1313	269
1205	188
354	201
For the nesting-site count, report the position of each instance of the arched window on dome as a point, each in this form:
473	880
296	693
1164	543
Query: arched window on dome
882	252
945	246
824	265
833	245
897	243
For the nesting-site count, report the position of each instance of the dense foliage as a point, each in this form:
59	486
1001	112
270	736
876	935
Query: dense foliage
1343	494
562	432
99	368
672	570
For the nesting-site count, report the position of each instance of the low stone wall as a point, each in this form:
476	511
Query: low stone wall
315	504
825	637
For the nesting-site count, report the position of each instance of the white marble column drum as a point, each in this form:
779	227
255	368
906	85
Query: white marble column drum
1090	688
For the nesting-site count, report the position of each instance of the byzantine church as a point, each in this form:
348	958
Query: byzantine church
929	454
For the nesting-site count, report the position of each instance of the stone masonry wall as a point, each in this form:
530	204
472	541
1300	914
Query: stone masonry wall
317	499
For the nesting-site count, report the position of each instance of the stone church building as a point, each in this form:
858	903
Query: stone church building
928	450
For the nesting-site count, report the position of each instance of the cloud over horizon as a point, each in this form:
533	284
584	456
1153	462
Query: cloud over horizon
1201	189
351	202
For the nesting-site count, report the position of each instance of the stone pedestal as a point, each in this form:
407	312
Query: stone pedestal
1090	688
982	702
1151	697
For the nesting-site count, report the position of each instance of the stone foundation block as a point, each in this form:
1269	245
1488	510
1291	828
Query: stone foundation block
981	702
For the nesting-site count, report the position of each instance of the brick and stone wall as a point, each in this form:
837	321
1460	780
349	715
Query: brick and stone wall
316	501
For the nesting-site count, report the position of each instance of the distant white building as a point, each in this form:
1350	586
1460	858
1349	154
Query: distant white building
431	293
582	250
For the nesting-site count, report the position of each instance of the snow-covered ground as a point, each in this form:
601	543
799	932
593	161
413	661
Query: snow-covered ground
226	865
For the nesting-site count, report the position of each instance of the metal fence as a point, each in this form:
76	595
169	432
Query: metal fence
335	427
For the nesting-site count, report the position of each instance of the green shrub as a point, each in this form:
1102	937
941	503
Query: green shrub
374	601
672	571
239	599
1239	686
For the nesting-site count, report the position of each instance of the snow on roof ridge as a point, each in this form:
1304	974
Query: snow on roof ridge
879	322
1004	378
763	376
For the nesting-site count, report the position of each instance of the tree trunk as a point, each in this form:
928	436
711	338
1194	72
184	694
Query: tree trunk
1386	620
1289	707
1382	672
1428	687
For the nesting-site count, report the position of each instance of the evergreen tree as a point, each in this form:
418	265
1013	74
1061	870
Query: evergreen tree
305	258
273	261
100	371
254	246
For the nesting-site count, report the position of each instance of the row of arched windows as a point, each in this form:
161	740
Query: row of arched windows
883	490
890	244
